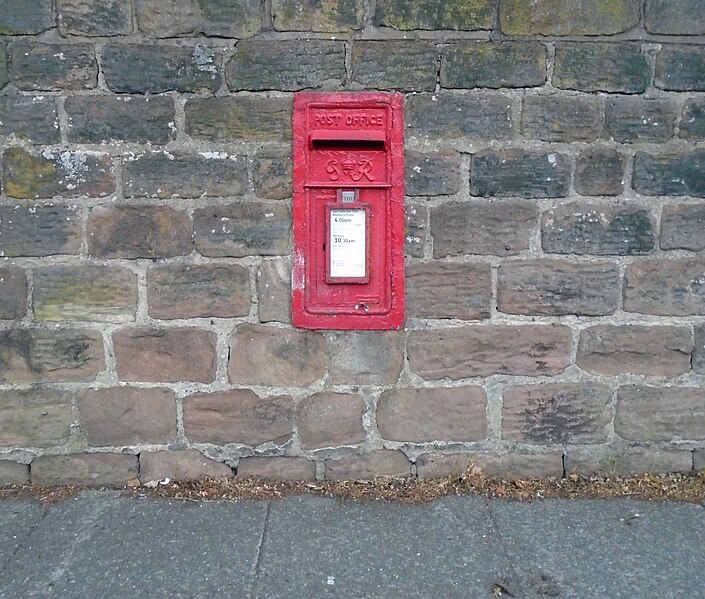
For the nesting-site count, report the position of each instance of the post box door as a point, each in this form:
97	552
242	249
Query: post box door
348	259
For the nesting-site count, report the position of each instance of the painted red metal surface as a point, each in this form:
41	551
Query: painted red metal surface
348	155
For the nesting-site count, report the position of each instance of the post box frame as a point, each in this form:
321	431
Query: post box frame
375	124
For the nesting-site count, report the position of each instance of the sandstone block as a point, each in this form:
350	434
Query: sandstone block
30	118
580	228
440	465
556	413
12	473
152	68
674	17
139	232
425	415
660	413
165	175
472	350
571	17
493	65
198	291
458	15
400	65
27	18
448	290
672	173
680	68
633	120
450	116
698	460
62	355
512	466
84	469
53	67
271	468
49	174
94	17
180	465
288	65
366	357
561	118
555	288
127	416
274	290
499	228
40	230
522	173
4	74
599	172
242	229
648	350
416	229
37	417
106	119
13	290
622	461
165	355
267	355
317	15
692	123
699	352
666	287
519	466
605	67
330	420
238	416
239	118
101	293
384	462
272	175
234	18
432	174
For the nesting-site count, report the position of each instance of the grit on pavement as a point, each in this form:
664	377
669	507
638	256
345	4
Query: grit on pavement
102	544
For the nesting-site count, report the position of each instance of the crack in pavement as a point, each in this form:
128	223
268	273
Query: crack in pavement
252	593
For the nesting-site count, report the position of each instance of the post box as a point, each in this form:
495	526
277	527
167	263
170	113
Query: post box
348	211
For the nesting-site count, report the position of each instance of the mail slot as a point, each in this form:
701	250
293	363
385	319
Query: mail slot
348	211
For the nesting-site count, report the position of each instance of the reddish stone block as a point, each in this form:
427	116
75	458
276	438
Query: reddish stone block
448	290
84	469
238	416
12	473
273	468
267	355
139	232
652	351
165	355
485	350
424	415
127	416
330	420
660	413
34	356
384	462
37	417
179	465
198	291
557	413
366	357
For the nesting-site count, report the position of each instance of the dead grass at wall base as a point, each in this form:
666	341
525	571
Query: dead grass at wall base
650	487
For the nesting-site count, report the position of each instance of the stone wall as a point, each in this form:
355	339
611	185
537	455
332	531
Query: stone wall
556	240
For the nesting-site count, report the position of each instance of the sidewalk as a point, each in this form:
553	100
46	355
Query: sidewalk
102	545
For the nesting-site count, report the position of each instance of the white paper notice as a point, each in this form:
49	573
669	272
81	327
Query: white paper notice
347	243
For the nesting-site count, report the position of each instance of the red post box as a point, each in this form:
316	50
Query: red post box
348	258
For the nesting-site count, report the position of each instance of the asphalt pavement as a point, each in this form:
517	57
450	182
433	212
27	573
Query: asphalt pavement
104	545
